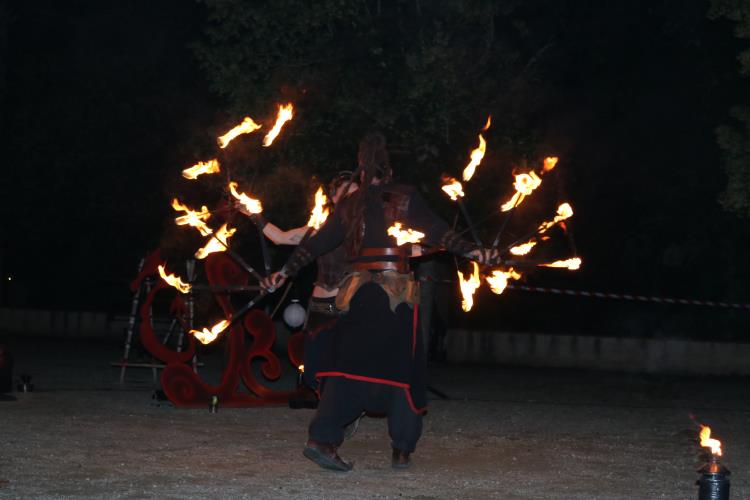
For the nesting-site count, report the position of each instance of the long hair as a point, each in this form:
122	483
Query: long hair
373	163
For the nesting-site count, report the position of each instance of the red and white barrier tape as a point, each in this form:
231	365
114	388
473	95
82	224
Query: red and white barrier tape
625	296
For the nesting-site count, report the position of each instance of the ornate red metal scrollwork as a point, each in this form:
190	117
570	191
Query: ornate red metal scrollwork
184	387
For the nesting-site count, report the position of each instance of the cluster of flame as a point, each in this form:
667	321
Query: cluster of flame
197	218
405	235
320	210
708	442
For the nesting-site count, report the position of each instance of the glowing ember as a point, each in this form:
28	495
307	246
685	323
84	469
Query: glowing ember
173	280
284	115
708	442
202	167
301	368
454	189
549	163
207	336
251	204
192	218
571	264
523	249
476	159
247	126
499	279
216	244
524	184
319	212
564	211
404	235
468	286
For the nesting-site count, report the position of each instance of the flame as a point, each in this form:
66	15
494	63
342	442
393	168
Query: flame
487	125
523	249
247	126
524	184
707	442
218	243
301	368
207	336
549	163
404	235
571	264
476	158
284	114
173	280
192	217
319	212
564	211
454	189
251	204
468	286
499	279
202	167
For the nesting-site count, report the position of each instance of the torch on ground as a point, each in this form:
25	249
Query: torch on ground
714	481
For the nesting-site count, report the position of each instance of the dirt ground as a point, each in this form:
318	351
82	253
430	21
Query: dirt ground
505	432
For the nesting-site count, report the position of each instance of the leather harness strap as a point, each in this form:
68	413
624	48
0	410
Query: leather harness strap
400	264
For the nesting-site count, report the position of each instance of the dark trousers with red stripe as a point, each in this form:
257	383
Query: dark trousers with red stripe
343	401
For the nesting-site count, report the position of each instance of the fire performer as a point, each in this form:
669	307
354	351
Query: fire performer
333	267
377	363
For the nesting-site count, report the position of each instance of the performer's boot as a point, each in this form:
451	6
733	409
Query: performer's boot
400	459
325	455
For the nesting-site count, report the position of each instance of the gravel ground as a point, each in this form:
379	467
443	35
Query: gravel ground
505	432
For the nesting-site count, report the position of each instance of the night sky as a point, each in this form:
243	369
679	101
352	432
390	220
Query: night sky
104	104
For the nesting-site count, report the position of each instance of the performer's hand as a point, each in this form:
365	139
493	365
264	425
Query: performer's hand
273	282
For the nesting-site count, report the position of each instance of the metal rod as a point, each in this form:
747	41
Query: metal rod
467	218
227	288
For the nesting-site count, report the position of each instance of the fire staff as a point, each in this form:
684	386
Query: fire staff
377	362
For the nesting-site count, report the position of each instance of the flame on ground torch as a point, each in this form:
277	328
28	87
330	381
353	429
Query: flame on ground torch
453	188
523	249
202	167
468	286
218	243
173	280
251	204
319	212
572	264
192	218
708	442
524	185
284	114
405	235
247	126
564	211
499	279
476	158
207	336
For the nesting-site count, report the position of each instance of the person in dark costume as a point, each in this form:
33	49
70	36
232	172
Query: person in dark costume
377	360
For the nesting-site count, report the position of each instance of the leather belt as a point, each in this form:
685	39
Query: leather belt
401	264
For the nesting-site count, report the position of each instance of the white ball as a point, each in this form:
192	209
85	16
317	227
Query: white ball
294	314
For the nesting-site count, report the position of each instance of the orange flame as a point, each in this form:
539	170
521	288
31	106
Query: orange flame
173	280
251	204
549	163
564	211
572	264
202	167
468	286
708	442
454	189
207	336
284	114
499	279
319	212
404	235
192	217
247	126
218	243
523	249
524	184
487	125
476	158
301	368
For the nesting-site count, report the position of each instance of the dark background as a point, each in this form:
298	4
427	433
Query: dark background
104	104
